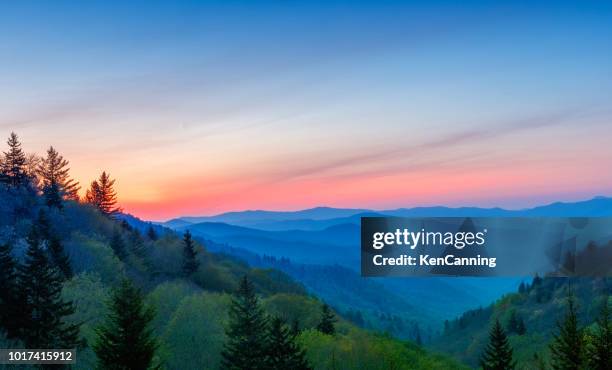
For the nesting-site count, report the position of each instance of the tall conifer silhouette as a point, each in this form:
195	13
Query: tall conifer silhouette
44	309
13	163
600	349
55	177
498	353
102	195
567	349
10	302
283	353
117	244
126	339
328	320
190	263
246	346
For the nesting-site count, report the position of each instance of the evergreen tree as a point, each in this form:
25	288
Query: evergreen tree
328	320
538	362
190	263
498	353
512	322
14	162
151	233
10	302
60	258
516	324
52	195
118	245
537	280
418	340
42	226
567	348
600	349
43	308
295	327
126	341
56	182
283	353
103	196
137	244
521	329
246	347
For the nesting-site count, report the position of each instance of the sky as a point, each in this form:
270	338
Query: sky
197	108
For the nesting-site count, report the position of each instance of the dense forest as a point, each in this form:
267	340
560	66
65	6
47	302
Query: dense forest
76	273
557	323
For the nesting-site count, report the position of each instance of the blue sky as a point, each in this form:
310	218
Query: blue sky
252	102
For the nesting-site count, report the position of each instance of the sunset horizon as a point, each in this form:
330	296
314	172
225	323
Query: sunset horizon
306	185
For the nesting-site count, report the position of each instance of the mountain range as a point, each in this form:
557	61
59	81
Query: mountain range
328	238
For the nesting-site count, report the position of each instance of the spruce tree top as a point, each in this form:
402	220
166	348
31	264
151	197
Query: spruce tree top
328	320
498	353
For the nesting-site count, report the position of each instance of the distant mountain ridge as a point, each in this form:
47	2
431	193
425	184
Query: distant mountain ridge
320	218
308	239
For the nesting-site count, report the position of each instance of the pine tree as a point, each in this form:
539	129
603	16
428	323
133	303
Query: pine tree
498	353
126	339
151	233
521	329
53	245
283	353
56	182
137	243
246	347
516	324
43	309
60	258
567	348
14	162
600	349
10	302
103	196
328	320
295	327
512	322
190	263
118	245
538	362
52	196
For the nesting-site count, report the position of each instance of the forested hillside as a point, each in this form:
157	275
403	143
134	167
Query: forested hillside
75	274
532	318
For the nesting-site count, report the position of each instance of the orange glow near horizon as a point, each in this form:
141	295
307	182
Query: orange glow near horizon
173	180
506	187
199	109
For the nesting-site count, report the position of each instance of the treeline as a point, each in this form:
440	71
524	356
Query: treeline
573	346
77	272
363	302
528	331
33	313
